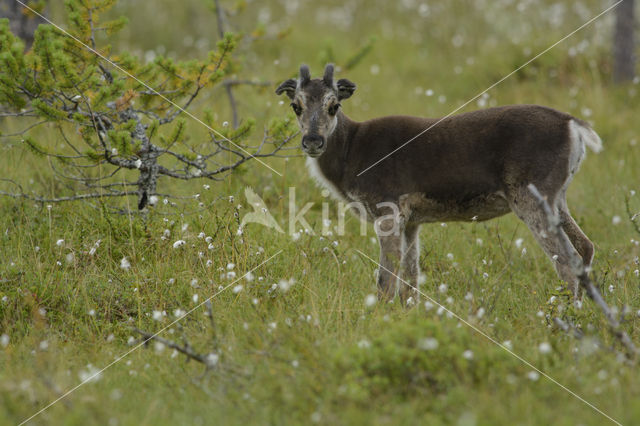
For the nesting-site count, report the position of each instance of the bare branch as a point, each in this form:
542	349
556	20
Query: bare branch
582	274
183	349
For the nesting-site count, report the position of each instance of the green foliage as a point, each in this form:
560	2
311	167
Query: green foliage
68	85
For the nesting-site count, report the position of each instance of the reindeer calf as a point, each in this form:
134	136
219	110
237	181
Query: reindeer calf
471	166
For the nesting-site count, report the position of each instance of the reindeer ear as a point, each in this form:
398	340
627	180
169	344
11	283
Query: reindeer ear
288	87
345	88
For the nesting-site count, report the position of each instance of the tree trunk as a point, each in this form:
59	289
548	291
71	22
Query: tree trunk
22	24
624	60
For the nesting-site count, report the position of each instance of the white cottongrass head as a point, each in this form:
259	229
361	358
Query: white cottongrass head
544	348
428	344
90	374
179	244
125	264
212	359
285	285
468	354
370	300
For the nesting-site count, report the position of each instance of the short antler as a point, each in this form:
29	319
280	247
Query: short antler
328	75
305	75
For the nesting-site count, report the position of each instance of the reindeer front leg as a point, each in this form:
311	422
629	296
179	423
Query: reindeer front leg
390	238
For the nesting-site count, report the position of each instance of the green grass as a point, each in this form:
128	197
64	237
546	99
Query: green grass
316	353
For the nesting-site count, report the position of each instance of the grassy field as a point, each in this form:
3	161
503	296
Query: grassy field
310	350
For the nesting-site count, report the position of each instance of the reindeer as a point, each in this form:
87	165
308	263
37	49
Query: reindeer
473	166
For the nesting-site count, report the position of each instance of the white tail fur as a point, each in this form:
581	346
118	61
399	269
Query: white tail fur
587	135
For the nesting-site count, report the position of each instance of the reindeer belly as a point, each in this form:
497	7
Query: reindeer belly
418	208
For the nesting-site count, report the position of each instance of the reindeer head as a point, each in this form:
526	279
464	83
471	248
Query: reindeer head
316	103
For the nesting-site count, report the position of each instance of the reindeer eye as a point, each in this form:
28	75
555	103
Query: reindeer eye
296	108
333	109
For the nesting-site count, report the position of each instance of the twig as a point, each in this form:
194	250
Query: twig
209	360
582	274
632	217
567	327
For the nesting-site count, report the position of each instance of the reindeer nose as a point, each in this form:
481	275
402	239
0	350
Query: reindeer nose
312	143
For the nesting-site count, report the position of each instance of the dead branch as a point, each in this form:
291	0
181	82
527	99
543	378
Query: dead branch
210	360
632	217
582	274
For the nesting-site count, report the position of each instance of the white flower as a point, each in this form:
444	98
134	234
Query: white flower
468	354
285	285
212	359
91	374
249	276
480	313
370	300
124	264
230	266
60	242
442	288
450	256
428	344
237	289
201	235
364	344
428	305
158	347
179	243
519	242
231	275
157	315
616	220
138	163
92	312
4	340
195	298
153	200
178	313
544	348
507	344
533	376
